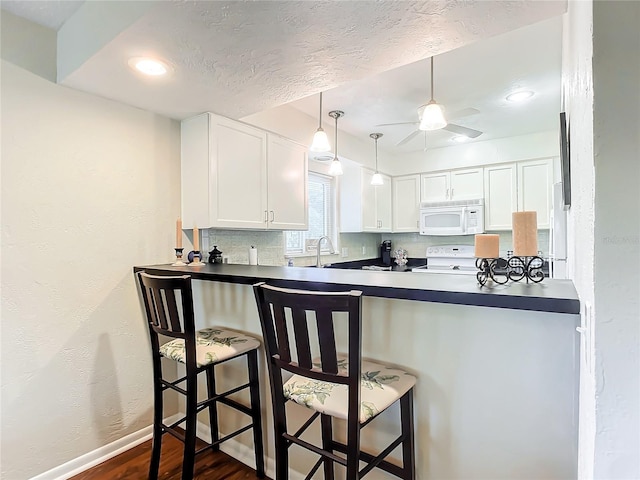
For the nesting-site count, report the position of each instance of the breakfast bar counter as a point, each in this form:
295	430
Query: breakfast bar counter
557	296
497	367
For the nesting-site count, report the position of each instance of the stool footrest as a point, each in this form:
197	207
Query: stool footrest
220	397
375	461
237	405
172	431
313	448
173	385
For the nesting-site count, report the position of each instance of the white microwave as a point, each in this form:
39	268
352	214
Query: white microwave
463	217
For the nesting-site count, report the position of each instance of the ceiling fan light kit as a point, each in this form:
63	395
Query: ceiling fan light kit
432	117
336	166
376	179
320	140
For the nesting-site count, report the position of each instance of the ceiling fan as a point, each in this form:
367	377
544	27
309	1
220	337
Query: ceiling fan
431	117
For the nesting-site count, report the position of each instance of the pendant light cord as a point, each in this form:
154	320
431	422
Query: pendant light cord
320	116
431	80
336	142
376	154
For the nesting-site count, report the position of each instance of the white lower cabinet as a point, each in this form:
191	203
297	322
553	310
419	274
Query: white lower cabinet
364	207
513	187
406	203
235	175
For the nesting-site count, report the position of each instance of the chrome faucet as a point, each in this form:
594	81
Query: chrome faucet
325	237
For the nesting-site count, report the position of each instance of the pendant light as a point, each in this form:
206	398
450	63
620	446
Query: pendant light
432	114
320	141
336	166
377	178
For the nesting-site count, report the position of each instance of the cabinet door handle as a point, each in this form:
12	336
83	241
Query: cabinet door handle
451	194
266	218
273	216
447	194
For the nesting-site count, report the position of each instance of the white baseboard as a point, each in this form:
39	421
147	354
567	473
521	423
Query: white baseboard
100	454
231	447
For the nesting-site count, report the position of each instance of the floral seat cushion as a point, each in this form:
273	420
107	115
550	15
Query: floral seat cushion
212	345
379	388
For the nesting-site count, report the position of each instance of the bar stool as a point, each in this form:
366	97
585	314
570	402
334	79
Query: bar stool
333	385
168	303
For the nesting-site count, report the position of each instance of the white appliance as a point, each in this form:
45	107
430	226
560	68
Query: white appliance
455	259
463	217
557	235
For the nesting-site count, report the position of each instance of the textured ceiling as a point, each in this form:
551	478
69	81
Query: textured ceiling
241	57
49	13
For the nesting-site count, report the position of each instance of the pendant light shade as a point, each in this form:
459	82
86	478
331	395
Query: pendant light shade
377	178
336	166
320	140
433	113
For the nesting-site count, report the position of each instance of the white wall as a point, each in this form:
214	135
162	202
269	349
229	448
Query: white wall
578	103
601	74
90	188
512	149
616	128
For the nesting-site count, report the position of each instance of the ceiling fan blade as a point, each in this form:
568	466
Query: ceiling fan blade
408	138
398	123
460	130
465	112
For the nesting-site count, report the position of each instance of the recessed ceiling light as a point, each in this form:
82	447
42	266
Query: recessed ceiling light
459	139
519	96
149	66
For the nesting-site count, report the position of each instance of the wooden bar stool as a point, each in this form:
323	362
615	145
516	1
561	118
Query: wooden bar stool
168	303
333	385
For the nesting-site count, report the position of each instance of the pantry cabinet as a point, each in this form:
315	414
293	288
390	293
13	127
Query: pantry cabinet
364	207
513	187
235	175
463	184
406	203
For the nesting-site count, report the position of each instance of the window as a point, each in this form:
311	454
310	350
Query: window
322	216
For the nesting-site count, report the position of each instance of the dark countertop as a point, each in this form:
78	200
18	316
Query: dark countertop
558	296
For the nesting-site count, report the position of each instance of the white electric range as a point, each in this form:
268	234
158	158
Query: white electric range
453	259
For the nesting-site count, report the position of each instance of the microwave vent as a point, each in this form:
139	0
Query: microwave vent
454	203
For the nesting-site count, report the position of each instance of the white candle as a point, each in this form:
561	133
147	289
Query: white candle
487	245
179	233
196	239
525	234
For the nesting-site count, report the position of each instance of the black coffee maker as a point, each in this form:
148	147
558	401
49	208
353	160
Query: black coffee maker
385	252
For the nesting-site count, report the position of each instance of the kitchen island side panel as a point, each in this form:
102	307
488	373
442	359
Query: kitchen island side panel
495	397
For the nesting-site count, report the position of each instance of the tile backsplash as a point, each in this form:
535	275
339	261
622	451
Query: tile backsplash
235	244
417	244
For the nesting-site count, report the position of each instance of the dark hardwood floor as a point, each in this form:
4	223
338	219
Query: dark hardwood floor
134	464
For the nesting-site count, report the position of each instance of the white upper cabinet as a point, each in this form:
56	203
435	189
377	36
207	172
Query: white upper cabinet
406	203
287	182
466	184
500	196
462	184
535	181
364	207
435	186
513	187
238	176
